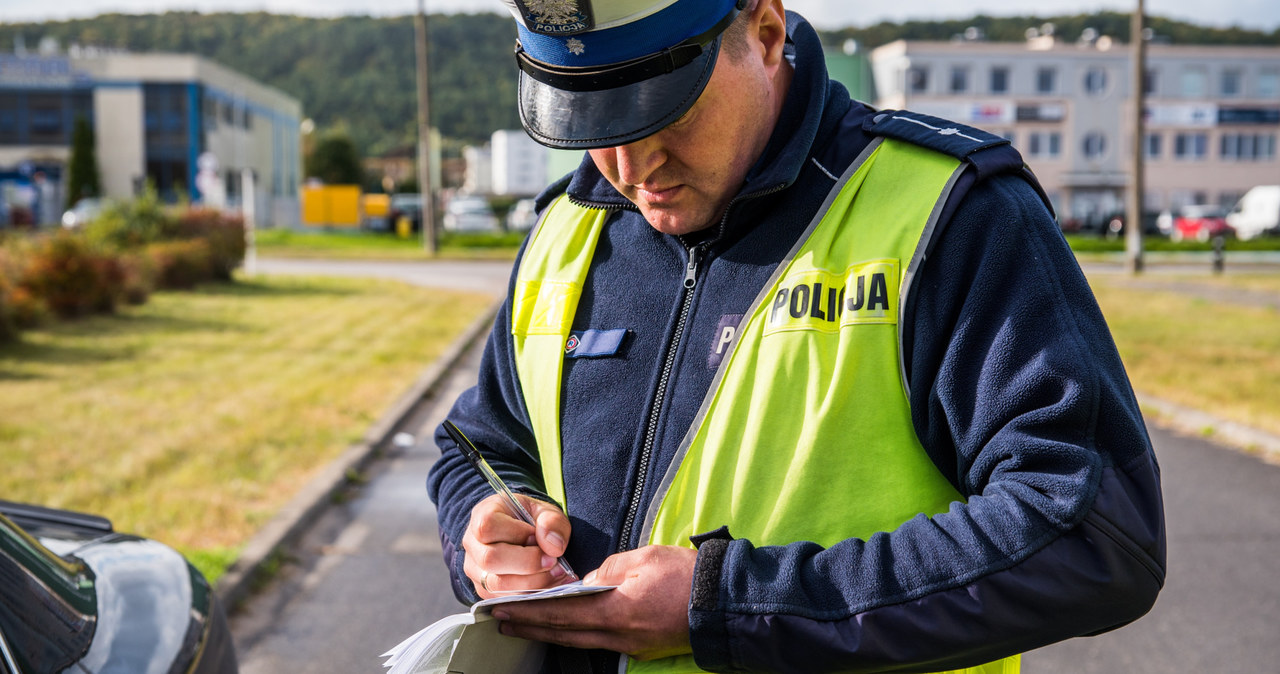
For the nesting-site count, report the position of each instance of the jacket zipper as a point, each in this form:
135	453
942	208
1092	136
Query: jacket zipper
686	304
651	430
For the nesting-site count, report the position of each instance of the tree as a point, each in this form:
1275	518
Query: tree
82	179
334	160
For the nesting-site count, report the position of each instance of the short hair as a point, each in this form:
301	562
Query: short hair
734	41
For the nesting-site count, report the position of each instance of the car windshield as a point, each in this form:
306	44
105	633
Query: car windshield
1203	211
406	201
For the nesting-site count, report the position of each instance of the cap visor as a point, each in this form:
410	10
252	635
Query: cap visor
585	120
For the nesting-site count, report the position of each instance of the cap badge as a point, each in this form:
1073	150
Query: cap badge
556	17
575	46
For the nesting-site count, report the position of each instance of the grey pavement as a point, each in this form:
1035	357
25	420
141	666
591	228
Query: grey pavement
488	276
1220	607
368	573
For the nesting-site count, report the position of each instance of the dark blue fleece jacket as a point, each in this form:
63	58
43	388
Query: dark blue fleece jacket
1016	391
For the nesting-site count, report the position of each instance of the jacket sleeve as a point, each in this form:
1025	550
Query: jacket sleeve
492	415
1019	396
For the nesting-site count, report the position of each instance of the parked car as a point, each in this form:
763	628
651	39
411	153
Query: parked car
83	212
1257	212
407	204
522	216
75	595
1200	222
469	214
1109	224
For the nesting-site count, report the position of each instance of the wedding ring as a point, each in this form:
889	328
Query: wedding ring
484	581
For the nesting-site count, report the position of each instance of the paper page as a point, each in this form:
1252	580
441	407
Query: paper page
576	589
431	649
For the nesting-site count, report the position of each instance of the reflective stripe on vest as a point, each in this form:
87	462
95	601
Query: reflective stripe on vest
806	432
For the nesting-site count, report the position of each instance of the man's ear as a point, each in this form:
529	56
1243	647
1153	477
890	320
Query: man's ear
769	25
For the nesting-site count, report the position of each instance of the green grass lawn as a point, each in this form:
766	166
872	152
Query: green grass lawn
1092	243
193	418
1197	348
355	244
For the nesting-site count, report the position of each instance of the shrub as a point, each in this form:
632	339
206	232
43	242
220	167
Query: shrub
140	273
180	265
132	224
71	276
19	307
8	327
225	234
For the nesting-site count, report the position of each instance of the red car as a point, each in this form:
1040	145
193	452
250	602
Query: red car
1200	223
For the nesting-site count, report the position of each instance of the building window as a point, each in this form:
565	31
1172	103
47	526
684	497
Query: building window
999	80
1154	141
8	120
1191	146
1094	145
917	79
1151	81
1229	198
209	113
1095	81
1046	80
44	119
1232	83
959	79
1044	144
1247	147
1195	83
1269	83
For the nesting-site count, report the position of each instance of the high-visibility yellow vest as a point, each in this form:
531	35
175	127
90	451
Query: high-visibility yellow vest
806	434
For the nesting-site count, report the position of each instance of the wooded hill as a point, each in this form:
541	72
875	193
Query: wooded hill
357	72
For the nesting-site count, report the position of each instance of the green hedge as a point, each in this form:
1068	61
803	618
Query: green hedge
124	255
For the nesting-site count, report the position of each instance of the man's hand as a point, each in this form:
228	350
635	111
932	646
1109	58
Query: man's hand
647	616
505	553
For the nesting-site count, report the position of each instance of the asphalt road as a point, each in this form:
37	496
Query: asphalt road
369	572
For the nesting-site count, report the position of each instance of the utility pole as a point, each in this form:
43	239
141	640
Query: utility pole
1137	180
430	236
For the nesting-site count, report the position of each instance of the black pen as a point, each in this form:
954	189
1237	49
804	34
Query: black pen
517	510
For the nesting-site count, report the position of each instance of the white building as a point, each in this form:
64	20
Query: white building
156	117
519	164
478	175
1213	113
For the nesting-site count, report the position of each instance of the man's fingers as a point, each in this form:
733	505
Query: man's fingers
552	525
492	523
508	558
489	584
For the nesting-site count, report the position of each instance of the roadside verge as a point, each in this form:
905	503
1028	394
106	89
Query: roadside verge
1215	429
292	521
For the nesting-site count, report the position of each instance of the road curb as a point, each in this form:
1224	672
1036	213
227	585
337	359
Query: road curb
288	525
1212	428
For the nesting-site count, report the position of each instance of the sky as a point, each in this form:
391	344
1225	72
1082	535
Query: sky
1257	14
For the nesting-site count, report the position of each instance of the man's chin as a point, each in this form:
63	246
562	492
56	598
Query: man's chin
674	221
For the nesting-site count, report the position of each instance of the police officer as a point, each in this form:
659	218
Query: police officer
817	387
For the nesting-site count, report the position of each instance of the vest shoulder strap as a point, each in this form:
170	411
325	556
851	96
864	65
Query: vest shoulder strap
987	153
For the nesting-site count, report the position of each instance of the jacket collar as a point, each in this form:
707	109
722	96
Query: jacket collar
807	110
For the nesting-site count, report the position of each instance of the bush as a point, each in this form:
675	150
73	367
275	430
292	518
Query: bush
132	224
19	307
180	265
8	326
139	277
72	276
225	234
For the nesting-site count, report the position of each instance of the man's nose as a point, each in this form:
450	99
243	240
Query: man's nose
637	161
